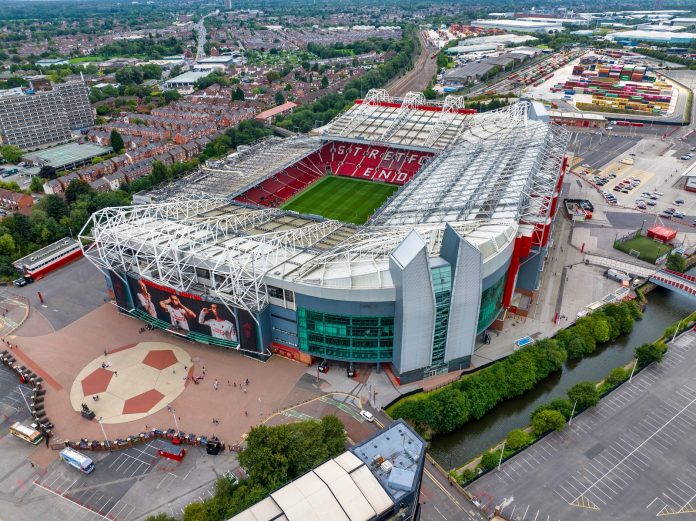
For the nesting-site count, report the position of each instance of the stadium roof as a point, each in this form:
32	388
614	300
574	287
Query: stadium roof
498	175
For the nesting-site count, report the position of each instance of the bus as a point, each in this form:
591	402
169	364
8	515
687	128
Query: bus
26	433
77	460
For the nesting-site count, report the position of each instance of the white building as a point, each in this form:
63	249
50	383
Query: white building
523	26
184	82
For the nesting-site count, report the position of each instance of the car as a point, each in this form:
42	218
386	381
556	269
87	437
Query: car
651	203
685	157
20	282
678	201
624	191
659	194
367	415
617	188
612	176
22	164
678	215
231	476
669	211
632	154
323	367
608	127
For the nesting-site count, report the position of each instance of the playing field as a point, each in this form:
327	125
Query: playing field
342	198
649	249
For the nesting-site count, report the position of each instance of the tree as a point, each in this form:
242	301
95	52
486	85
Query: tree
576	348
516	439
649	353
585	393
53	205
237	94
77	188
161	517
47	172
11	153
7	245
279	98
272	76
170	95
36	184
430	93
490	459
324	82
616	376
116	141
546	421
676	262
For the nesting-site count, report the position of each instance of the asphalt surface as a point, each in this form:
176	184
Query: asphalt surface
597	150
69	293
630	457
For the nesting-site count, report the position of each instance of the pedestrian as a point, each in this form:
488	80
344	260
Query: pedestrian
247	382
173	371
104	352
185	368
115	373
246	413
32	464
245	390
203	369
235	385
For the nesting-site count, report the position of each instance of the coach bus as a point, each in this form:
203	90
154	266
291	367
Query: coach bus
77	460
23	432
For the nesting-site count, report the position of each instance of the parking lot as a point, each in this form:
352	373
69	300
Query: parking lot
630	457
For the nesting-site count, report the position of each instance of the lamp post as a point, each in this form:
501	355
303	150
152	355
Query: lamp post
175	422
502	451
570	420
677	330
635	364
106	438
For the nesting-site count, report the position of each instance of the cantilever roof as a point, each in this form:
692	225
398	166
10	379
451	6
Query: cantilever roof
498	174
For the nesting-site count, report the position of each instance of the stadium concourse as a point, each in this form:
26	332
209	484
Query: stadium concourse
394	235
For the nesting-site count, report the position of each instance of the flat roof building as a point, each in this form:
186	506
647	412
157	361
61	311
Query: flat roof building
186	81
653	36
67	156
31	119
522	26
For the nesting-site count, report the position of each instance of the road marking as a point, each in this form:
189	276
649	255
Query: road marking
637	448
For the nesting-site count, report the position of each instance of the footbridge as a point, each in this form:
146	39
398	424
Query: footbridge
679	282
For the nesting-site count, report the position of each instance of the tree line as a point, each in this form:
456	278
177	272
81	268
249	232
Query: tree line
340	49
327	107
451	407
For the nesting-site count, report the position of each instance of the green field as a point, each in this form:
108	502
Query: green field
649	249
85	59
342	198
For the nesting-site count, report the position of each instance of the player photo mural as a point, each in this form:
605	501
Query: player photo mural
188	312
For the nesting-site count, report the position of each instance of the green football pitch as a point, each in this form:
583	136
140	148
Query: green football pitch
342	198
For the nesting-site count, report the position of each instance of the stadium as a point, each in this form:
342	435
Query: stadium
395	235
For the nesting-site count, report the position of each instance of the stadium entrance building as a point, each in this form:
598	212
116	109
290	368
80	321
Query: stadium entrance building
260	252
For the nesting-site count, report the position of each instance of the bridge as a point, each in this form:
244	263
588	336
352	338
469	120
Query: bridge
679	282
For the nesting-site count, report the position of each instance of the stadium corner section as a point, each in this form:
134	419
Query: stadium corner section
412	289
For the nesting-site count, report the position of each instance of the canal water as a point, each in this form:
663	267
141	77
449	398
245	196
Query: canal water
456	448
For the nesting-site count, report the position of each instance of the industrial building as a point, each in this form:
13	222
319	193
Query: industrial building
434	267
32	118
521	26
375	480
653	36
185	82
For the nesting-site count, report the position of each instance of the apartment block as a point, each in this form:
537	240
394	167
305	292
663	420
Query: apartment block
33	119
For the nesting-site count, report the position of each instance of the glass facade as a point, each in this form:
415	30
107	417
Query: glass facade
441	277
345	337
491	302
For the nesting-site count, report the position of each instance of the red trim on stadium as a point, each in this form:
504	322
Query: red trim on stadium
429	108
54	265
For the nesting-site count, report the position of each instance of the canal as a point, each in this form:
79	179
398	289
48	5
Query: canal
456	448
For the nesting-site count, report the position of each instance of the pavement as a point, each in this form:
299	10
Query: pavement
417	79
69	293
630	457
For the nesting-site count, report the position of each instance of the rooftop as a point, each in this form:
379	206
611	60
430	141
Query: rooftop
67	154
189	77
46	252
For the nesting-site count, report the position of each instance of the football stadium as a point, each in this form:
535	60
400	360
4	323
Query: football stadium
395	235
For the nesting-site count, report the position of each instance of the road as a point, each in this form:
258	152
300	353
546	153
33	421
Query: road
201	33
416	79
